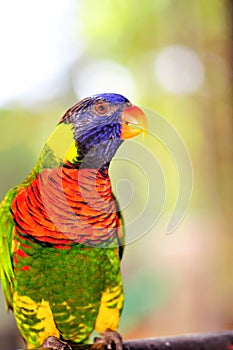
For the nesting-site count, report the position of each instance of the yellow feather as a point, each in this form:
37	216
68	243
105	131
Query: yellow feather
62	143
110	307
45	327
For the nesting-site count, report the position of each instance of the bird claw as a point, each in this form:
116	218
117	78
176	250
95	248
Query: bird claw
110	339
56	344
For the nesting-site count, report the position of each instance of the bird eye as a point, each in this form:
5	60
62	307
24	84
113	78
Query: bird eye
101	107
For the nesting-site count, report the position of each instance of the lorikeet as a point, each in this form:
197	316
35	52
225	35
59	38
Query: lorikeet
61	233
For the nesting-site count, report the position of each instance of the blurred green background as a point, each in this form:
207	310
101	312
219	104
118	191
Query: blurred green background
172	56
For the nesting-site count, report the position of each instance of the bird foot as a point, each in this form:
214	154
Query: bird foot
54	343
109	339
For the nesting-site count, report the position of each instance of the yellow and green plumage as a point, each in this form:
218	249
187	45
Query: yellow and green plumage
61	233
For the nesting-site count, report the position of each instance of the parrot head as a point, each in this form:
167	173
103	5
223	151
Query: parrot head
99	125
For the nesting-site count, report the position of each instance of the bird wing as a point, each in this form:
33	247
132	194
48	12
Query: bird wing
6	232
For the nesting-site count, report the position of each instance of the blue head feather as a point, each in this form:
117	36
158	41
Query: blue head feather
97	136
111	98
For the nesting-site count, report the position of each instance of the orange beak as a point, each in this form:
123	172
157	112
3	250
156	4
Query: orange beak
133	122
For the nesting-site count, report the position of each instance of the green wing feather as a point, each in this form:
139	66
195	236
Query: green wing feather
6	231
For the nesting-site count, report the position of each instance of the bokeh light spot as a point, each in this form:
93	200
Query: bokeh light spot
178	69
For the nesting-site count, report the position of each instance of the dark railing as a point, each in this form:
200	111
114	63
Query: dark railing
201	341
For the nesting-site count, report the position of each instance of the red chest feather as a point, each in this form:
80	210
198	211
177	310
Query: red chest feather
64	205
